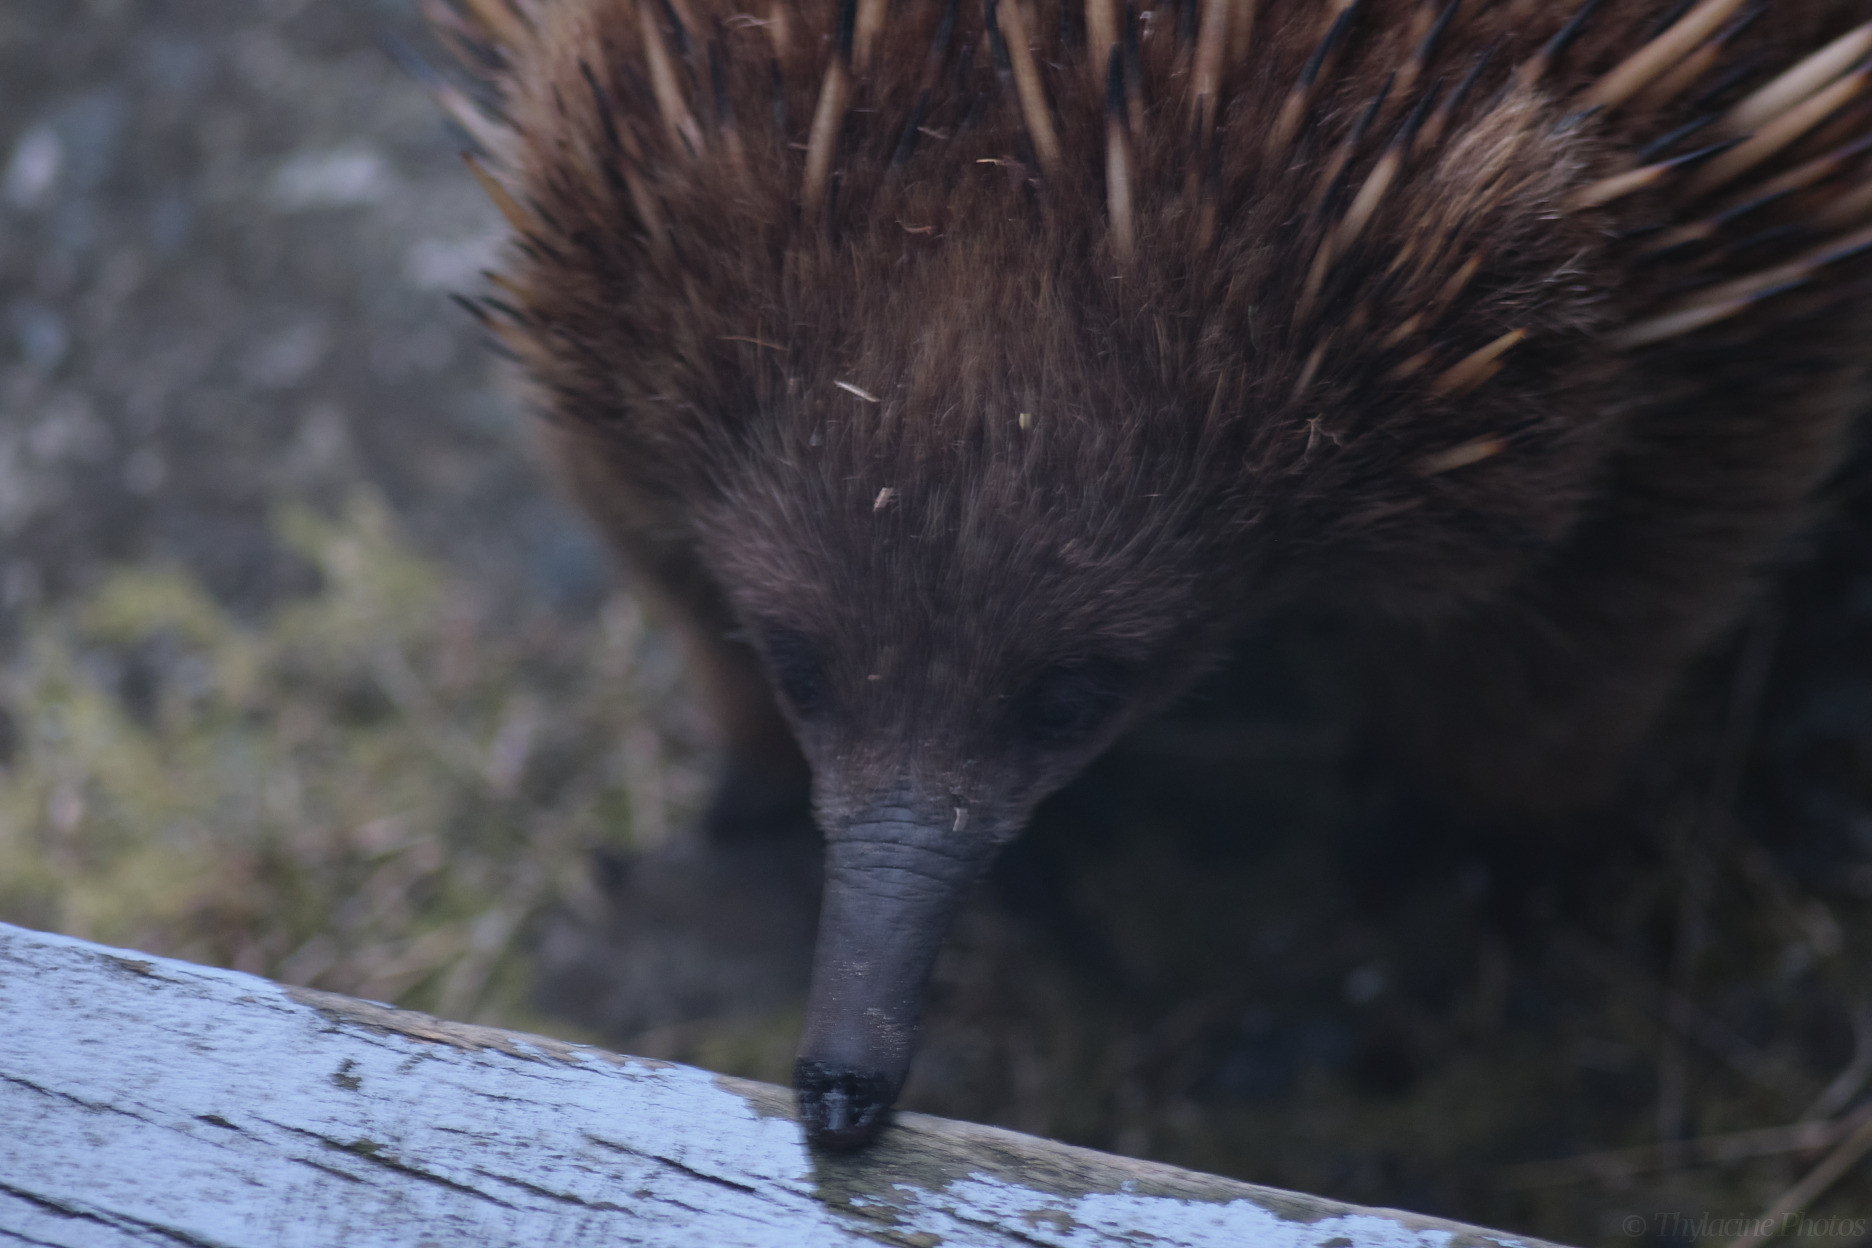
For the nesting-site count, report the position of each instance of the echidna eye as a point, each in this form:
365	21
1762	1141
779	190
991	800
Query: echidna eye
1070	701
798	671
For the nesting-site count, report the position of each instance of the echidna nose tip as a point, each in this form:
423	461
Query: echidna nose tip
841	1108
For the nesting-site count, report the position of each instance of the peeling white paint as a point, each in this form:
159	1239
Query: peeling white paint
1101	1218
146	1101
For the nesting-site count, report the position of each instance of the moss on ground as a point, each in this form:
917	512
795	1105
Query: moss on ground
373	789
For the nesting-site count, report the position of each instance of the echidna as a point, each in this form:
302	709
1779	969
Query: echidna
966	373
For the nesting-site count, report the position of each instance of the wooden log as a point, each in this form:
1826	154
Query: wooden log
145	1101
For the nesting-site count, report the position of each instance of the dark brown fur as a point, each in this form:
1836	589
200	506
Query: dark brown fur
903	394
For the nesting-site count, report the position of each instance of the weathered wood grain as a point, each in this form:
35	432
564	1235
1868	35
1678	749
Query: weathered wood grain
145	1101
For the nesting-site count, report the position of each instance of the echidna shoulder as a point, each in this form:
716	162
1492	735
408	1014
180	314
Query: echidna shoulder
1721	146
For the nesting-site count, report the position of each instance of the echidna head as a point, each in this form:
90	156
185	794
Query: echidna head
954	630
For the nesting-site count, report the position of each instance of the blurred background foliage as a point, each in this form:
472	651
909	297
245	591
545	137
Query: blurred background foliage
368	789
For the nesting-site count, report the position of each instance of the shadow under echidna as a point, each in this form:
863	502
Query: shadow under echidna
965	377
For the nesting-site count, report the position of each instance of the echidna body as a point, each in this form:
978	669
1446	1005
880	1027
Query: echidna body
969	373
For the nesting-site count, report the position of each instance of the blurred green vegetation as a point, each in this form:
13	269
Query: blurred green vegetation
375	789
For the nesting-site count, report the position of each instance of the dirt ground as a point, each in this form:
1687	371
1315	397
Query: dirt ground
307	670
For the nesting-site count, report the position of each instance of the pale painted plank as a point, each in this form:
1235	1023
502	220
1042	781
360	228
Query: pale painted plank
147	1101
